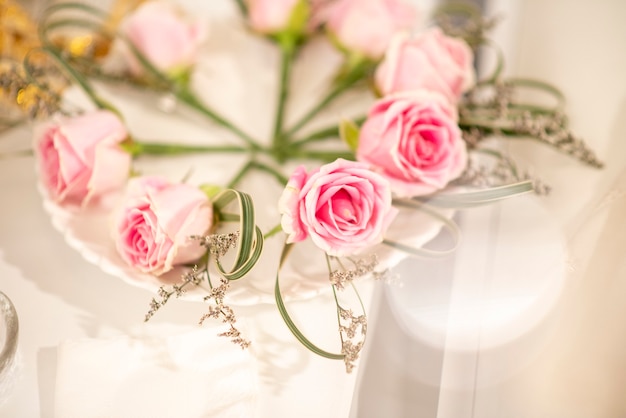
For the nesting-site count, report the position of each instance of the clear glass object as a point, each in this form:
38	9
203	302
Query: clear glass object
9	330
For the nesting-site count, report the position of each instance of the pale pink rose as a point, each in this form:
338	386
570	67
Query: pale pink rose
270	16
343	206
288	204
414	141
367	26
166	38
153	225
80	158
430	60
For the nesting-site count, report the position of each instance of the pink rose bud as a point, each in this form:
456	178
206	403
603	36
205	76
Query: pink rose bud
431	61
367	26
80	158
153	226
168	40
343	206
413	140
277	16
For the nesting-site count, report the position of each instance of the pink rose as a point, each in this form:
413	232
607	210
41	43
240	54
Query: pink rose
431	61
343	206
273	16
155	221
414	141
166	39
80	158
367	26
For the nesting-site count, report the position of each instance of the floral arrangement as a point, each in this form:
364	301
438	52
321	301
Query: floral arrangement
421	146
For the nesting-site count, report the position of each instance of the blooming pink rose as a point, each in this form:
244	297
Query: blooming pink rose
414	141
166	39
80	158
271	16
155	221
343	206
367	26
431	61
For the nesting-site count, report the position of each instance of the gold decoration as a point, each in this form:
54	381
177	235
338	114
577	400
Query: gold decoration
19	97
18	32
18	36
94	45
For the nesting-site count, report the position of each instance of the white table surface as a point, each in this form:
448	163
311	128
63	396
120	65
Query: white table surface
574	362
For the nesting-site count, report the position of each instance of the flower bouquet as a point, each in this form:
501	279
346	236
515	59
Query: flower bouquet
393	133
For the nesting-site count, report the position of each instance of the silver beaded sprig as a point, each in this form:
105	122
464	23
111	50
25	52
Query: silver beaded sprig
552	130
496	97
491	111
189	278
504	172
472	29
339	278
218	244
384	275
224	312
352	329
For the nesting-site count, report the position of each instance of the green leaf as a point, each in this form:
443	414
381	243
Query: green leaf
250	244
478	197
454	201
449	224
349	133
289	322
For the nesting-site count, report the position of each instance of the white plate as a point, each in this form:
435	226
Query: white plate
224	79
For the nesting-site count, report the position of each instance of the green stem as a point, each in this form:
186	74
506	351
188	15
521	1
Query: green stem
252	164
243	8
345	84
278	142
487	124
192	101
82	82
148	148
244	170
337	306
270	170
278	228
541	86
321	135
330	132
325	156
178	87
280	304
182	93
